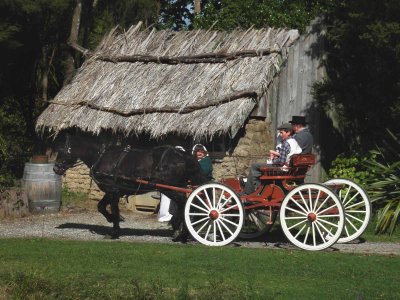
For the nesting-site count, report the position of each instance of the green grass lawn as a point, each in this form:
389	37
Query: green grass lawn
49	269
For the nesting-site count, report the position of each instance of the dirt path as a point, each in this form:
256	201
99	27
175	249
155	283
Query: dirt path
90	225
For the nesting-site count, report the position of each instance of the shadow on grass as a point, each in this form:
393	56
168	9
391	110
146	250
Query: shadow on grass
106	230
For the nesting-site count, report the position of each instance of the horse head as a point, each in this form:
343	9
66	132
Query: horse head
72	149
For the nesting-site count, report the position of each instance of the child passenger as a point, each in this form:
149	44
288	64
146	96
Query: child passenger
201	154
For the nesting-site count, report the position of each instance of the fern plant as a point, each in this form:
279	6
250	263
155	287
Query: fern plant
384	189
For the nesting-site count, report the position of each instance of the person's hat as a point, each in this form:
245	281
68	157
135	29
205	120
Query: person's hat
298	120
285	126
199	147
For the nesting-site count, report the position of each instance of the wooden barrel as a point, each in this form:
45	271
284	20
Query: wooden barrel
42	187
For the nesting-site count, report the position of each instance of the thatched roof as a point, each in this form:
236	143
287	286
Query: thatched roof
192	83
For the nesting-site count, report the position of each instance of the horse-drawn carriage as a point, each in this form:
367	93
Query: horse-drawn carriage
312	216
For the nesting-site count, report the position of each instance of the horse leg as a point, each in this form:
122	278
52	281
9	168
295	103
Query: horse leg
181	232
102	206
115	216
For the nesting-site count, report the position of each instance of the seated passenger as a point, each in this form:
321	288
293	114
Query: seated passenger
201	154
302	133
281	156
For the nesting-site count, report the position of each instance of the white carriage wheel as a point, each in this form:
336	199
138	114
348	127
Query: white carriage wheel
214	214
312	217
356	205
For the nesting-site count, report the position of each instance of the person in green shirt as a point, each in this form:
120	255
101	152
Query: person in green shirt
201	154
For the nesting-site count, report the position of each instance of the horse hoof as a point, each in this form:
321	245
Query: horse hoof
179	237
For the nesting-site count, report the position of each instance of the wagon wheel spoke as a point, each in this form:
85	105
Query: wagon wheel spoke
358	204
209	205
301	230
204	225
297	211
206	209
301	207
297	224
327	222
220	221
208	231
353	217
228	221
198	207
351	199
304	201
319	232
201	220
229	208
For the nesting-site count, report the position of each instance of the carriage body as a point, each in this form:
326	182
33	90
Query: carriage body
312	216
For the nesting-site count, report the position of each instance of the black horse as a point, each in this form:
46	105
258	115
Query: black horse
116	171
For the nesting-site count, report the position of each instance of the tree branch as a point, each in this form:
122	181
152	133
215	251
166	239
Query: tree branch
165	109
194	59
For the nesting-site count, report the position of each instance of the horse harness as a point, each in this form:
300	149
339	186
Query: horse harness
116	167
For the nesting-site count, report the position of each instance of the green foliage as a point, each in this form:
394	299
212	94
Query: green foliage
231	14
69	197
33	46
363	63
352	167
12	144
379	173
123	13
384	188
176	14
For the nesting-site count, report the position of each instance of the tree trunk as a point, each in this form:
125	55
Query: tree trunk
72	40
158	7
44	80
197	7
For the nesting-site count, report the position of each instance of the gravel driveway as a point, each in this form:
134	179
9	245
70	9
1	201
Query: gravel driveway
91	225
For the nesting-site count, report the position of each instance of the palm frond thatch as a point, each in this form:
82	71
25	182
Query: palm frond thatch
197	83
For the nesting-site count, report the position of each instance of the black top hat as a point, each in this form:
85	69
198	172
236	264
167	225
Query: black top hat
298	120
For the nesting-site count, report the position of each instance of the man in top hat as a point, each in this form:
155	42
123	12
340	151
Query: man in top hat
302	133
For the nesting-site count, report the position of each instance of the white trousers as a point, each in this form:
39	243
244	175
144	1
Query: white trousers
163	214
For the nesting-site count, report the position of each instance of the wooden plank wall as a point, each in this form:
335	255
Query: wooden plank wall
290	93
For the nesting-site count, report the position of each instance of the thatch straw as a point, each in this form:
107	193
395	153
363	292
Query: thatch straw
197	83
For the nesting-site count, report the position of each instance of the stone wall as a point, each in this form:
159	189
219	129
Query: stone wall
252	147
77	179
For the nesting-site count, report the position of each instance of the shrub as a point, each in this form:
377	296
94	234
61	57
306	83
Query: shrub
353	168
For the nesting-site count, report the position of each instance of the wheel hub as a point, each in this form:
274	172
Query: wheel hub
311	217
213	214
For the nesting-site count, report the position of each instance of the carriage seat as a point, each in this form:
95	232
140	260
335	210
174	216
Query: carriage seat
296	169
